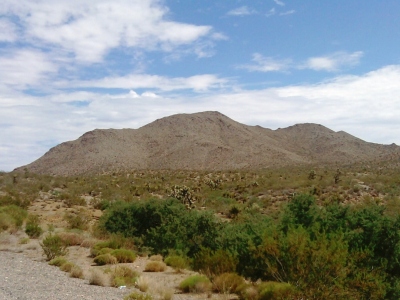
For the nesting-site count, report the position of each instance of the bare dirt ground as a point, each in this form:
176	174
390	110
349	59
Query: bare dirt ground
23	278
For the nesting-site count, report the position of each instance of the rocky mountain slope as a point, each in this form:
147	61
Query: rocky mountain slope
205	141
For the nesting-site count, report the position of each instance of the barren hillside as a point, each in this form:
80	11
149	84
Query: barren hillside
205	141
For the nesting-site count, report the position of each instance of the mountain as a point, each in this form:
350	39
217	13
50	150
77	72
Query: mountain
205	141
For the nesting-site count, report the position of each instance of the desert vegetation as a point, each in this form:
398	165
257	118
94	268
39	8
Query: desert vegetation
315	232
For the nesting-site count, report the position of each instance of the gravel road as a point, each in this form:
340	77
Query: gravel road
22	278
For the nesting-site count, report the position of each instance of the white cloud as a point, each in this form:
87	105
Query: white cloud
150	95
139	81
278	2
333	62
271	12
266	64
23	68
365	106
330	63
286	13
89	29
8	31
241	11
219	36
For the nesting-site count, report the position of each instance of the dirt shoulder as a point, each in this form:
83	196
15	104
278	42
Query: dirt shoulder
22	278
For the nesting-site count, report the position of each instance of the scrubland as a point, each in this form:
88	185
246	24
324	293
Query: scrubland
321	232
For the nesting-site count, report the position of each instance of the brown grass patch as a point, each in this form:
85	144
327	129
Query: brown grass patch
97	277
71	238
143	284
157	257
76	272
155	266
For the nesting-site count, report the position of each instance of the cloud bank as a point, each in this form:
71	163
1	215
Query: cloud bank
58	81
365	106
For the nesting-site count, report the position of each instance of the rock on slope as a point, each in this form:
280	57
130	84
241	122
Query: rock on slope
207	140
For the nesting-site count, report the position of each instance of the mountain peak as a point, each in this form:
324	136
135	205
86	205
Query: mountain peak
204	141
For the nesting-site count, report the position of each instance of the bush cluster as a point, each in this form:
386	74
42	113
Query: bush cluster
342	250
11	216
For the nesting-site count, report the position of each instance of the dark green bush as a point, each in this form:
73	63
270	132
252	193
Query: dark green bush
346	251
164	225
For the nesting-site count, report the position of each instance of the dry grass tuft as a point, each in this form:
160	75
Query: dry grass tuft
71	238
155	266
88	243
67	266
166	293
157	257
76	272
97	277
227	283
123	275
105	259
143	283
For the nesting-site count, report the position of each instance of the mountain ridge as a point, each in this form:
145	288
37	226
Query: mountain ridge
205	141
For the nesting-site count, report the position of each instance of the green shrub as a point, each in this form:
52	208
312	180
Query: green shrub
164	225
53	246
105	251
58	261
24	241
101	204
67	266
123	275
6	222
97	248
115	242
177	262
71	200
78	220
14	200
275	290
32	227
124	255
248	292
196	284
105	259
227	283
11	216
214	263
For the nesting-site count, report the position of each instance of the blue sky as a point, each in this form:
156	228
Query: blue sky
71	66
